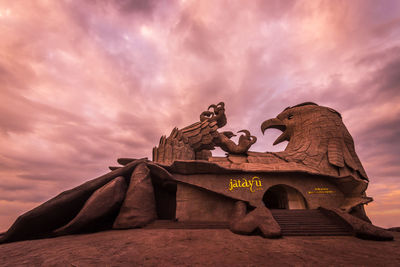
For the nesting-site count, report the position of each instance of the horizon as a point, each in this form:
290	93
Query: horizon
90	82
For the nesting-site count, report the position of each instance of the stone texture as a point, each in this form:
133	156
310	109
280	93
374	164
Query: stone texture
359	212
203	154
103	202
139	206
194	204
159	174
239	212
260	218
236	158
43	220
361	228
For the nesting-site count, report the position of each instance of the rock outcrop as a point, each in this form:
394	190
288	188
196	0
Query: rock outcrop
361	228
104	201
139	206
259	219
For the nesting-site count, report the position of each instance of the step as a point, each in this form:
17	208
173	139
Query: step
308	222
312	227
313	230
276	211
305	219
316	234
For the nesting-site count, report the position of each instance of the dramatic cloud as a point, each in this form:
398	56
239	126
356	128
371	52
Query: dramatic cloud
85	82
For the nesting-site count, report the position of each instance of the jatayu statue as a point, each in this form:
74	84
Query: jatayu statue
320	151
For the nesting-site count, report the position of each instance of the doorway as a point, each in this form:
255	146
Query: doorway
284	197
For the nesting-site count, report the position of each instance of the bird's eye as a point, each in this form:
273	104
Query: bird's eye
290	116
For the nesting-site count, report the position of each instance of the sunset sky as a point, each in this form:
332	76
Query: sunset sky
85	82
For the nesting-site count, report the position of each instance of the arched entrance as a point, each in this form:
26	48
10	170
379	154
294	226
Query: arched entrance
284	197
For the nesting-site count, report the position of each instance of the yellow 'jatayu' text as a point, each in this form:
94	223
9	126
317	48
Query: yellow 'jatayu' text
246	183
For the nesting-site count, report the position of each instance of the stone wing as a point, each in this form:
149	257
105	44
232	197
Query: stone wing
183	144
173	147
200	135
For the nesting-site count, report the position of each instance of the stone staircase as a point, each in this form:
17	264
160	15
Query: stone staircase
292	223
309	222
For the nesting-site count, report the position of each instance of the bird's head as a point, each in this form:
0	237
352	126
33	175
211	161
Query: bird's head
217	114
297	119
318	138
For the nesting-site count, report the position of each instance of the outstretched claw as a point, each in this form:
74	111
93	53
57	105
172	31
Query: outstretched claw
228	134
245	142
247	136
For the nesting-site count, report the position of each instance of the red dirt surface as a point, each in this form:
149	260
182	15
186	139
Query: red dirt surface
177	247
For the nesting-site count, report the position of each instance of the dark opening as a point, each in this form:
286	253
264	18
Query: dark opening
165	196
276	198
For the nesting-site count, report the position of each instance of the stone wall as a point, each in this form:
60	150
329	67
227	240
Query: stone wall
295	199
316	190
195	204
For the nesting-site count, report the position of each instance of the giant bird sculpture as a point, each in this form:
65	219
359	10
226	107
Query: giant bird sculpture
131	195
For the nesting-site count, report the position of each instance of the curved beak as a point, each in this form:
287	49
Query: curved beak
276	124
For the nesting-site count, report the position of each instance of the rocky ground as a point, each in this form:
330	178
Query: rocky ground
177	247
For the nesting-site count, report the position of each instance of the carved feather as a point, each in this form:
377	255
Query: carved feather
335	152
189	128
192	132
194	139
352	157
